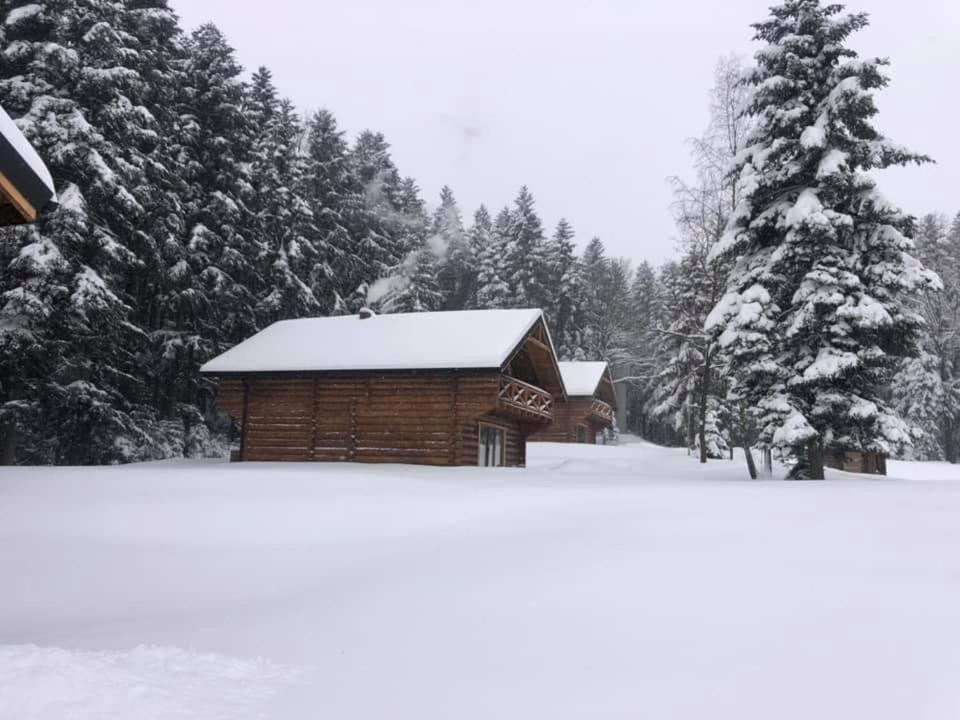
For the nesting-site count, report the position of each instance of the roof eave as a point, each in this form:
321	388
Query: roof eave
344	373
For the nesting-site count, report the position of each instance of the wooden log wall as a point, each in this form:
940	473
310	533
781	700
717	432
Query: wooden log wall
422	419
854	461
566	416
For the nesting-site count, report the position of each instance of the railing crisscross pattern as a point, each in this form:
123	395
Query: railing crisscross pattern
525	397
602	409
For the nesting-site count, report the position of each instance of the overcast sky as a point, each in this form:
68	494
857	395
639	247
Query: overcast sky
590	104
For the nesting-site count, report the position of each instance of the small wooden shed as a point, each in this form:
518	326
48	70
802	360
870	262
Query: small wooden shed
25	183
443	388
855	461
590	405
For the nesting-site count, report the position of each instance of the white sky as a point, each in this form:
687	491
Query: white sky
588	103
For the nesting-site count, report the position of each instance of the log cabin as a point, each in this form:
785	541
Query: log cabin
26	187
440	388
589	407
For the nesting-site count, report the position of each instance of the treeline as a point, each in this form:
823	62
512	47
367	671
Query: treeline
196	208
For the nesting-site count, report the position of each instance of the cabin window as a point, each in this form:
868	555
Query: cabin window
581	433
491	445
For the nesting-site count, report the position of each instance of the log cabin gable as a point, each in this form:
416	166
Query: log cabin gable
534	361
605	390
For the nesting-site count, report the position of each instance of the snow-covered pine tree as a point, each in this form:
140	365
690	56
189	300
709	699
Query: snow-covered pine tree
593	268
688	387
378	226
223	254
607	315
335	200
814	317
525	254
413	285
489	247
151	30
456	268
927	404
926	389
563	280
281	216
645	312
70	73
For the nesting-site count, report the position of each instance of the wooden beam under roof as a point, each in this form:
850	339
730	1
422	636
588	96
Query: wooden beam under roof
13	196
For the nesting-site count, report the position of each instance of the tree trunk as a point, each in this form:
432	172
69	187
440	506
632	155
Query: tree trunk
751	467
702	419
8	444
767	462
949	442
815	459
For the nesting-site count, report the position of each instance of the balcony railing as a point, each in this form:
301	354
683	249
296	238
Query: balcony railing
524	399
602	410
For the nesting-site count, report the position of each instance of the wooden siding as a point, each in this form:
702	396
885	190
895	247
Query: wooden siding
870	463
566	417
422	419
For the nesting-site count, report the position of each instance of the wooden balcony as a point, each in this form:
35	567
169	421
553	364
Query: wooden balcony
524	401
602	411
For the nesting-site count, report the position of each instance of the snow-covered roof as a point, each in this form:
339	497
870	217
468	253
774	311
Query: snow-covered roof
13	135
26	182
464	339
582	378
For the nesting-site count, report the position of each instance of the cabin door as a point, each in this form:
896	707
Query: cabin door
581	433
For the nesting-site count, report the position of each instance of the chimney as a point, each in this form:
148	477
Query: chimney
366	313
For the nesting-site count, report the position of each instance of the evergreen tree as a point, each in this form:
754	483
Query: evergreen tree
281	215
926	389
606	306
814	317
645	310
688	388
70	283
456	274
336	203
927	404
411	286
525	253
378	225
489	243
223	255
563	280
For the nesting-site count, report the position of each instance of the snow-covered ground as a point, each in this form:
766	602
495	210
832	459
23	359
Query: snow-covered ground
601	582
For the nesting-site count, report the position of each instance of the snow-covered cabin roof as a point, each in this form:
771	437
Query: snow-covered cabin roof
582	378
25	183
464	339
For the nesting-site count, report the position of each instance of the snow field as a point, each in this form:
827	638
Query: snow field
601	582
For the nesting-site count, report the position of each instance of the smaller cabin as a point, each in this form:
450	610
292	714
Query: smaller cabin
434	388
855	461
590	406
25	183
